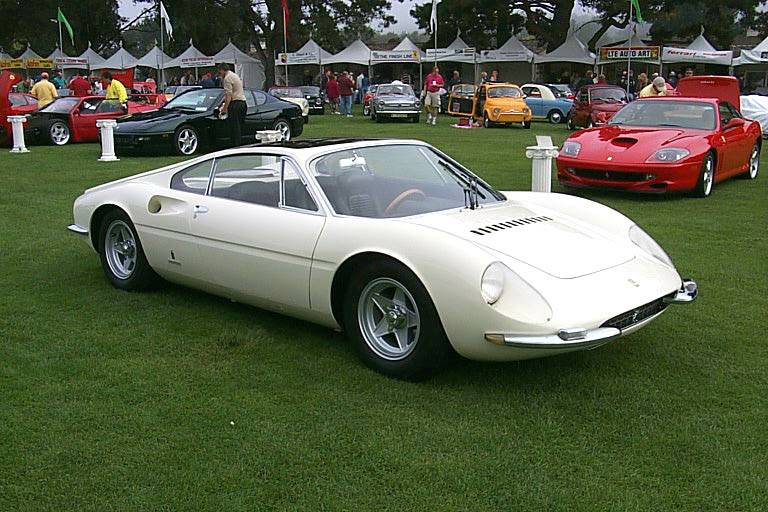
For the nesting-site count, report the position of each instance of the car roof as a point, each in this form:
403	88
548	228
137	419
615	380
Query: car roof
500	84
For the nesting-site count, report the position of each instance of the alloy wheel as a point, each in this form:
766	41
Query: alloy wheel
187	141
389	319
120	249
59	133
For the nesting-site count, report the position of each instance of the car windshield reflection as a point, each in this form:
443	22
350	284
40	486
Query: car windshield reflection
197	99
679	114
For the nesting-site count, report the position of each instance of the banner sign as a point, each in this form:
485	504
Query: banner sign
685	55
11	63
394	56
298	58
197	62
446	54
505	56
71	61
626	52
38	63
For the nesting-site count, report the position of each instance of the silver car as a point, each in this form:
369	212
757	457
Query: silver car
395	101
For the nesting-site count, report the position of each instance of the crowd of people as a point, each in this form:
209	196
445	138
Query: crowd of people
46	89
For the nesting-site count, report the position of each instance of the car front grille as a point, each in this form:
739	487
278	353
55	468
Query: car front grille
594	174
637	315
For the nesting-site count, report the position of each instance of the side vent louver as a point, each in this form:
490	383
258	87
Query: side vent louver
499	226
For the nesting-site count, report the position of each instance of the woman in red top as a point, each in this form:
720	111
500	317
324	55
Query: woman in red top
332	90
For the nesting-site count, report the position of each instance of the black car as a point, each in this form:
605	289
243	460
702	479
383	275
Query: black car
191	121
315	97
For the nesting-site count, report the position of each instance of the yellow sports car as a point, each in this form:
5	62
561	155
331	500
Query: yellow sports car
492	104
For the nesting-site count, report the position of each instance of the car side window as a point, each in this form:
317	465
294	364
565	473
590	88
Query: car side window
734	112
250	102
109	107
257	179
193	179
584	97
261	98
725	114
89	106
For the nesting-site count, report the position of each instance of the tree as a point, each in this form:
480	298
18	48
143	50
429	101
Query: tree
96	21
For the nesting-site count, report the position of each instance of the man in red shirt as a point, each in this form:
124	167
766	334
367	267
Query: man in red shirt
432	86
79	85
346	90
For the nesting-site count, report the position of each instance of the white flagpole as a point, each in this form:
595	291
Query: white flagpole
435	8
629	45
61	40
285	44
161	77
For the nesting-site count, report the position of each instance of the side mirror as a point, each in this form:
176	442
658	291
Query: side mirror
734	123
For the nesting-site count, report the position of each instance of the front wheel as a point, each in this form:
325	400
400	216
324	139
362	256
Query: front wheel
486	120
186	140
569	123
59	133
366	110
284	127
122	256
706	177
390	317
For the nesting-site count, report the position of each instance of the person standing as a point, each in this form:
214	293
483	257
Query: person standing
234	103
656	88
494	76
332	92
672	79
483	77
432	85
115	90
455	79
642	82
59	81
79	85
44	91
346	90
359	87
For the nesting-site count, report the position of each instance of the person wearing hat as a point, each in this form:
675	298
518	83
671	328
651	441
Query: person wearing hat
44	91
656	88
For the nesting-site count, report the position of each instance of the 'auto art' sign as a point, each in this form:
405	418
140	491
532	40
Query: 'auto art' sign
38	63
395	56
298	58
627	52
197	62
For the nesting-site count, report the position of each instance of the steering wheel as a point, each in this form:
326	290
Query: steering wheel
402	197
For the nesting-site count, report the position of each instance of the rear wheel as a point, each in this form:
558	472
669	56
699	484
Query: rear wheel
186	140
527	125
366	110
122	256
569	123
59	133
555	117
390	317
284	127
754	162
589	123
706	177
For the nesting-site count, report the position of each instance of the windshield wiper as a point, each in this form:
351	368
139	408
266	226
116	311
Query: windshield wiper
468	183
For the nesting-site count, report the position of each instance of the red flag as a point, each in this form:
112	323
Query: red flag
285	16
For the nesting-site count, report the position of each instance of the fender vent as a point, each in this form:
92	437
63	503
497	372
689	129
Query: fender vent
499	226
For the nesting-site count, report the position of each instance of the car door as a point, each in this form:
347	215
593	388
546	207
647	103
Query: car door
253	121
534	100
582	108
747	141
257	229
732	155
83	119
479	103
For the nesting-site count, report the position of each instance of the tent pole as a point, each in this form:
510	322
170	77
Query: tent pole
629	46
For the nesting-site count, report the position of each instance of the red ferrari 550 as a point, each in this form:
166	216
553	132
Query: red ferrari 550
73	119
682	143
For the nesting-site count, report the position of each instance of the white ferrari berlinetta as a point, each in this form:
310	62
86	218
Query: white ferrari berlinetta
391	240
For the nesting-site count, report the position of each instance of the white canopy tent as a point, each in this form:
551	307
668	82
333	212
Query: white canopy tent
191	58
571	51
250	70
407	45
91	57
356	53
700	51
311	54
757	55
754	66
155	59
122	59
4	55
406	52
29	53
513	60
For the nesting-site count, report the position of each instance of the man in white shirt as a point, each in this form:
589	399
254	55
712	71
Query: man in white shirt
359	88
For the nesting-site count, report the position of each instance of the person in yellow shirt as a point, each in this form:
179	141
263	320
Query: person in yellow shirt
656	88
44	91
115	90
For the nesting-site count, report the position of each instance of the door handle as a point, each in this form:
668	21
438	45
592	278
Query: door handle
199	209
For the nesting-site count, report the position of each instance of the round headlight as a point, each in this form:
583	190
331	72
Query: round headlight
492	283
570	148
496	111
644	241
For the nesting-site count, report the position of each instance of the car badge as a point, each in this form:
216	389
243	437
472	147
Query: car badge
610	158
635	315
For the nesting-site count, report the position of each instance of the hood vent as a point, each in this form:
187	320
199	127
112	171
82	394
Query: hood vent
499	226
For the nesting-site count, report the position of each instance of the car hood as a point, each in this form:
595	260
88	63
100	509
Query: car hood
296	101
630	144
553	243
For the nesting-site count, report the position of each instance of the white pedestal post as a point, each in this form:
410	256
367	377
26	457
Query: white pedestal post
17	128
264	136
542	154
107	127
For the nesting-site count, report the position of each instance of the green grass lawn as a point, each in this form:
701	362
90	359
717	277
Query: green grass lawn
176	400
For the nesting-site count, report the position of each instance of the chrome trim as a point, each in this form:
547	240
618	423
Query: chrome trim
687	293
387	112
591	338
79	230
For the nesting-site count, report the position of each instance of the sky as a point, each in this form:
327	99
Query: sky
401	12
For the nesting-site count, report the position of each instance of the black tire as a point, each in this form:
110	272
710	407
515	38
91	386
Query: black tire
527	125
431	348
486	122
58	132
186	140
284	127
705	185
366	111
752	173
569	123
142	277
376	117
555	117
589	123
415	119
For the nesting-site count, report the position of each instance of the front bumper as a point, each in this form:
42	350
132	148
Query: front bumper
578	338
317	109
141	142
636	177
510	117
78	230
400	112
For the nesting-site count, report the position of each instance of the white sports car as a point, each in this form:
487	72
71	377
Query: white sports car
391	240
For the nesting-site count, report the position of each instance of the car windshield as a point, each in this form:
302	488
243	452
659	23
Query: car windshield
287	93
608	94
311	90
463	89
678	114
17	100
196	99
395	90
397	180
61	105
504	92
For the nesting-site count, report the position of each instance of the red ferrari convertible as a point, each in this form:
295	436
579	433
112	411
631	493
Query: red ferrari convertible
73	119
682	143
12	104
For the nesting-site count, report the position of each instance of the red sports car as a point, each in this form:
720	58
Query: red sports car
594	105
12	104
682	143
73	119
